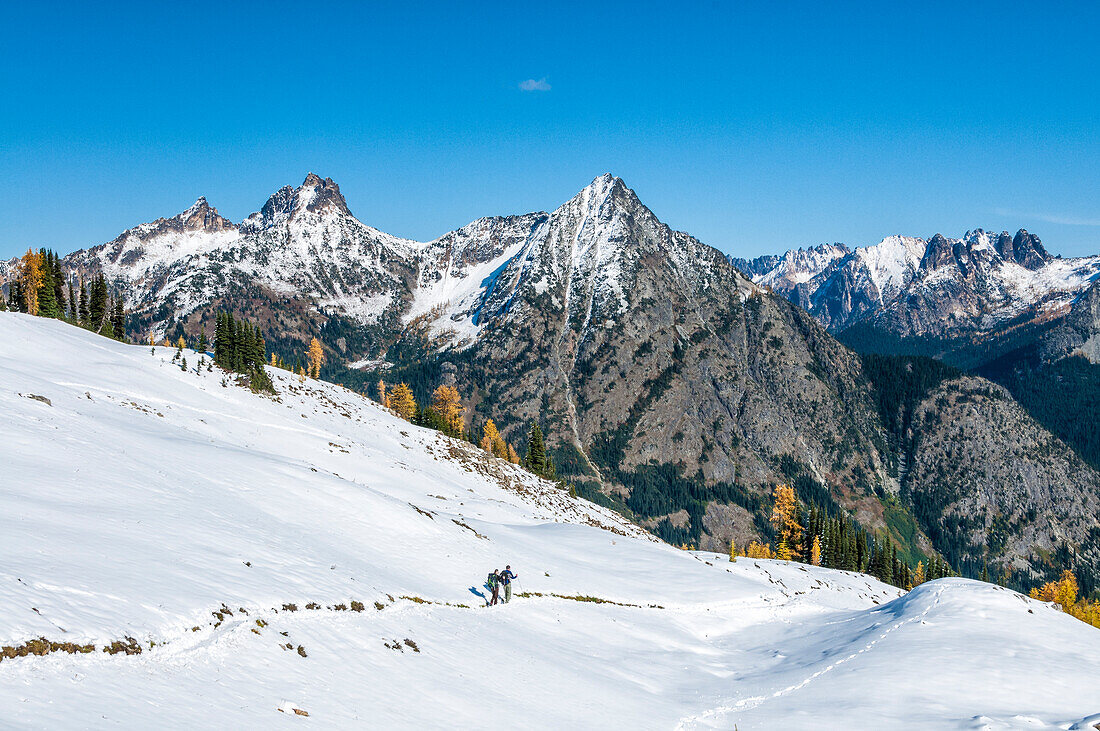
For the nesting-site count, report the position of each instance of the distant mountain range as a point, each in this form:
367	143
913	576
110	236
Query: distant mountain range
977	290
674	384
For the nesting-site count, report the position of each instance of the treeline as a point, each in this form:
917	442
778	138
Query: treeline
444	412
39	287
813	537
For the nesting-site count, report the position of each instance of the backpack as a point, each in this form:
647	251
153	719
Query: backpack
492	580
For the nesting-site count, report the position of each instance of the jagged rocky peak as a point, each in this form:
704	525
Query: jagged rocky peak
1024	248
315	195
605	189
201	216
941	251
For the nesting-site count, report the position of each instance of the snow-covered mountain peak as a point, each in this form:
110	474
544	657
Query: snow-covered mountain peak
315	195
593	200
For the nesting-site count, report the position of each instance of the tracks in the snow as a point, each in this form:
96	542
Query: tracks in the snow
748	703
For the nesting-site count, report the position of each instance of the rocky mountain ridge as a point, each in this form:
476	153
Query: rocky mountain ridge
940	288
670	385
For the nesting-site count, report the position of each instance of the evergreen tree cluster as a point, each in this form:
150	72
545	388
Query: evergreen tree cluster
41	288
239	347
843	544
537	459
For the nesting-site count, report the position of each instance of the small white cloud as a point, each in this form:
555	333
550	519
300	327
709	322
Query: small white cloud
1063	220
534	85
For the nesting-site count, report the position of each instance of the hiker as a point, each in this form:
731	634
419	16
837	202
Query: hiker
506	577
493	583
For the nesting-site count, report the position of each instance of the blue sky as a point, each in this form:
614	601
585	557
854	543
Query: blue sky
754	126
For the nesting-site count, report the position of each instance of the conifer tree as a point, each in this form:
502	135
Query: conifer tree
785	519
447	405
30	276
18	302
492	442
97	307
83	310
918	574
74	308
47	292
315	356
733	552
402	401
118	318
537	460
383	397
203	345
815	552
512	456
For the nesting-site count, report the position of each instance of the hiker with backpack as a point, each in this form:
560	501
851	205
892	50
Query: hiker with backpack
506	577
493	582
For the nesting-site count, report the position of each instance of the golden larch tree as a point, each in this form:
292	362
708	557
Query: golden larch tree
31	279
785	519
448	405
759	550
402	401
383	397
918	574
815	552
491	440
316	356
513	457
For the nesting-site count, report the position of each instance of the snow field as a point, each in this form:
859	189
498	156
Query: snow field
142	499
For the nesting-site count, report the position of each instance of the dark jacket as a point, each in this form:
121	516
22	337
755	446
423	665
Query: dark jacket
506	577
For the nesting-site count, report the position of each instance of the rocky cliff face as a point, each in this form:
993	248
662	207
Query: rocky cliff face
991	486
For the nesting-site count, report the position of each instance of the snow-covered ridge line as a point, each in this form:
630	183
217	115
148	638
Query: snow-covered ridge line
980	280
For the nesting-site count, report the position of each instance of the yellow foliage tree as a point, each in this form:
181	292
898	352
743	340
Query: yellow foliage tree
492	442
316	356
402	401
31	279
181	343
274	360
1064	593
383	397
918	574
759	550
815	552
513	457
733	551
785	519
448	405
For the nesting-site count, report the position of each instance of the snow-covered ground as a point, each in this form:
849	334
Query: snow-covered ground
141	499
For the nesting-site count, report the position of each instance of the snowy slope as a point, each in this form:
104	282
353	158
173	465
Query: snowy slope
141	499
